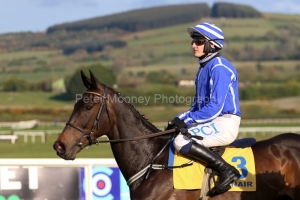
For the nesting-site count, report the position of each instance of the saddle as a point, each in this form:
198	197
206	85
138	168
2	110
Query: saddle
239	143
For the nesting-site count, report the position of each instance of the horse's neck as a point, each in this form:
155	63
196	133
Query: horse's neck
132	156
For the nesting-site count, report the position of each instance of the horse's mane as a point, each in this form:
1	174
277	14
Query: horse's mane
137	113
133	109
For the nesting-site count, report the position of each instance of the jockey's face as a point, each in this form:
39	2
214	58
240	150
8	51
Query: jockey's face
198	46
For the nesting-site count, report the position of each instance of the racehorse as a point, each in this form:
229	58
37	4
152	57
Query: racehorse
102	111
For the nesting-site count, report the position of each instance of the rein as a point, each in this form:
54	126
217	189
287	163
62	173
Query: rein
88	135
136	138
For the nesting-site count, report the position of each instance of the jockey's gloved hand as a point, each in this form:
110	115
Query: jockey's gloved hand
170	125
178	124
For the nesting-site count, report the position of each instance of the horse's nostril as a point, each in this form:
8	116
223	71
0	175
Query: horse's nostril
59	147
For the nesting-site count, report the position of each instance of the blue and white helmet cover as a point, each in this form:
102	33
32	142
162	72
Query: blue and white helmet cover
210	31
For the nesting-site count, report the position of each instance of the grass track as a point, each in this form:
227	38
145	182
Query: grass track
45	150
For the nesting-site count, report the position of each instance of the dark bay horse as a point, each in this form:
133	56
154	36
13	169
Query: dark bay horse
102	111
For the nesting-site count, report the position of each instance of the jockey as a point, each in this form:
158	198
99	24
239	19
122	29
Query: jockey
215	112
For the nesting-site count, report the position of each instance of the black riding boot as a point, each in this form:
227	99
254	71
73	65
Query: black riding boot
227	173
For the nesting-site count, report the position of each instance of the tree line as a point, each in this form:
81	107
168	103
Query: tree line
91	47
158	17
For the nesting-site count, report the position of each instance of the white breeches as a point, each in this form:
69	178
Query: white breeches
219	132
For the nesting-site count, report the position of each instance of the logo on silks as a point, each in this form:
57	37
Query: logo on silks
107	183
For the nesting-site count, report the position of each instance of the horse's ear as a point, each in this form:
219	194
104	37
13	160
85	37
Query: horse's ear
94	80
85	80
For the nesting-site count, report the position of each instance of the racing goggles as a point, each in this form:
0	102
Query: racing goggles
198	41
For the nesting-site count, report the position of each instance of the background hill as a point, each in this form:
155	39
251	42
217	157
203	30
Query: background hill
144	48
93	34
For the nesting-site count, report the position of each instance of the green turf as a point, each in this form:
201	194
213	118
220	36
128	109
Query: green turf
32	99
45	150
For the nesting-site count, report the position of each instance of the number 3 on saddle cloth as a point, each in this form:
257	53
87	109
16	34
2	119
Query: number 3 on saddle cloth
238	154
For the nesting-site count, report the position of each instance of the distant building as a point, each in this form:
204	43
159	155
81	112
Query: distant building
186	83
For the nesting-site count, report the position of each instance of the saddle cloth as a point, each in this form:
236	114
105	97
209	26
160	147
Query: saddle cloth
190	177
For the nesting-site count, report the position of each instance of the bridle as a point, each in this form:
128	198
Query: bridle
88	135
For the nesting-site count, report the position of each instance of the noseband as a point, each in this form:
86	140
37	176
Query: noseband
88	135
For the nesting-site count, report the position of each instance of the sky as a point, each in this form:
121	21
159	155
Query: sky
38	15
